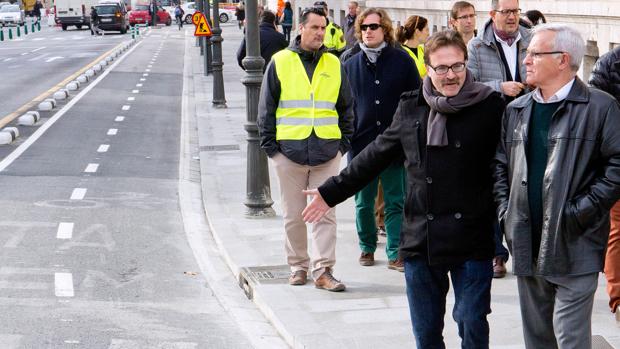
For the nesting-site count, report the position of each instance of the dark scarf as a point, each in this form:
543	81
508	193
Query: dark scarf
441	107
509	38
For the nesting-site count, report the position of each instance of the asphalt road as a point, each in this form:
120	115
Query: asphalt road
93	249
34	63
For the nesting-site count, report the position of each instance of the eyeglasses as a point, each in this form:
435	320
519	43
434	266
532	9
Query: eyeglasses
457	67
514	11
538	55
372	26
466	16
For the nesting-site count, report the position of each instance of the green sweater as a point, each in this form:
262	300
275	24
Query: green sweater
537	147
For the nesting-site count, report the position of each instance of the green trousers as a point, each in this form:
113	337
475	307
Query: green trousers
392	181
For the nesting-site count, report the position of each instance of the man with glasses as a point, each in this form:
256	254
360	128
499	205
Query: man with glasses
557	176
379	74
349	26
305	120
447	132
334	38
463	19
495	59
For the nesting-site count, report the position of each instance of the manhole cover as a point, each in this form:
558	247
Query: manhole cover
599	342
222	147
252	276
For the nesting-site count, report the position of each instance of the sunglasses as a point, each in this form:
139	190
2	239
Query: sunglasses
373	26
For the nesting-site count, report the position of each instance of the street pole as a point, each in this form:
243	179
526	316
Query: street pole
219	99
258	190
209	56
201	39
154	14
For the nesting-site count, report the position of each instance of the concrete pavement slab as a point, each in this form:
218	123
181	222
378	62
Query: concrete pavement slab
373	312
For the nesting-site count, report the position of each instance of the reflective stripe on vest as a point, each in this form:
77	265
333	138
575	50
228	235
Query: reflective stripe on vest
336	40
419	59
305	106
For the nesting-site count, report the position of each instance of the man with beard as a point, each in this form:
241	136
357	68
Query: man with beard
447	131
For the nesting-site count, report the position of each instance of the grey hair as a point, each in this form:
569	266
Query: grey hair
495	4
567	39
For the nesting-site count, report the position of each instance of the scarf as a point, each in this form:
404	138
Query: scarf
372	53
441	107
509	38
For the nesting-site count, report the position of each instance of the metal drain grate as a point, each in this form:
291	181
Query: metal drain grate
222	147
249	277
599	342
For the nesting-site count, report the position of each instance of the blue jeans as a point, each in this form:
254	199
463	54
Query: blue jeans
500	250
427	287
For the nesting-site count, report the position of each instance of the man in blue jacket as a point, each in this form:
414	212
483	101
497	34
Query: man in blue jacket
271	41
378	74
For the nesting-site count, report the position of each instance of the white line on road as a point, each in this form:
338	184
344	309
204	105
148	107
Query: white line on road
147	70
65	230
131	98
7	59
25	53
78	194
142	79
103	148
72	341
51	59
63	284
138	85
91	168
38	39
145	74
37	49
135	91
149	66
126	107
112	131
119	118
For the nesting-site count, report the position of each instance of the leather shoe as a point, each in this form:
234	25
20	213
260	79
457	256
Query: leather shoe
298	278
499	268
367	259
397	264
328	282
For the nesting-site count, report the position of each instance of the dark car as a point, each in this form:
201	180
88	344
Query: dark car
113	16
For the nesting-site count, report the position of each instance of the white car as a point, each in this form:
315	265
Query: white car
11	14
190	7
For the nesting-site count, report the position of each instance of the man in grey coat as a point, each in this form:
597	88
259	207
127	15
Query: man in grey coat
557	176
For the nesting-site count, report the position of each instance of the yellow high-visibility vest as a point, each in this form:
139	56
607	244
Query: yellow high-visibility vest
305	106
334	37
419	59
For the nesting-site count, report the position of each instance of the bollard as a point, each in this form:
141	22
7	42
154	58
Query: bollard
10	33
18	31
133	32
25	28
32	28
1	34
29	119
39	25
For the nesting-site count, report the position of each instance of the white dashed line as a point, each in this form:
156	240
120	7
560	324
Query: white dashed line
103	148
72	342
131	98
126	107
149	66
38	49
119	118
112	131
65	230
78	194
147	70
63	284
145	74
138	85
91	168
135	91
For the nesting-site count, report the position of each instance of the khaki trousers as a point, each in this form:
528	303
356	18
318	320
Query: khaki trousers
293	179
612	259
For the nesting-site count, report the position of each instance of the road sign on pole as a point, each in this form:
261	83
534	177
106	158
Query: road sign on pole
202	26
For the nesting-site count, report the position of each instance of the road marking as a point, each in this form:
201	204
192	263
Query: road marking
25	53
119	118
63	285
78	194
130	343
38	39
71	341
38	49
142	79
149	66
103	148
135	91
131	98
112	132
7	59
138	85
51	59
65	230
126	107
145	74
147	70
91	168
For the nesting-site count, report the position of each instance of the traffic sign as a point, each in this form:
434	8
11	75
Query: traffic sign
202	26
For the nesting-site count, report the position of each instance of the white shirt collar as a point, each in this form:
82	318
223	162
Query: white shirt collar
504	42
560	95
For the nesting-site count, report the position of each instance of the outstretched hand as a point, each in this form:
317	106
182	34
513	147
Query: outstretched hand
317	207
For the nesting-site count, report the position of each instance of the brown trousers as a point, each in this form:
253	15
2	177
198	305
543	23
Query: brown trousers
293	179
612	259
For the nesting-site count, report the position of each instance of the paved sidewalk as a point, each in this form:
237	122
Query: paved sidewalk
373	311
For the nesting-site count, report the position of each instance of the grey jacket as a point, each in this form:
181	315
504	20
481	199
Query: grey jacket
312	150
484	59
581	183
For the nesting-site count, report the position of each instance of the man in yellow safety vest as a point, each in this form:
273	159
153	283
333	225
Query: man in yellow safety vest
334	39
305	120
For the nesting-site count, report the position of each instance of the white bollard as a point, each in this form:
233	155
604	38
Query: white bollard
90	73
109	59
103	62
61	95
6	138
12	130
46	105
82	79
29	119
72	86
96	68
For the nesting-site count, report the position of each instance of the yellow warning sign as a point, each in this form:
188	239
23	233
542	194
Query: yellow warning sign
202	26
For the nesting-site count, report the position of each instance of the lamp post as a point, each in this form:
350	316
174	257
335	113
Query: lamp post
219	100
258	191
208	59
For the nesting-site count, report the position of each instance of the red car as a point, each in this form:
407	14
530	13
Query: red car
140	14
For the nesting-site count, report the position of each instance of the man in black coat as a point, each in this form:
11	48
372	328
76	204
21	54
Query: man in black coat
271	41
447	132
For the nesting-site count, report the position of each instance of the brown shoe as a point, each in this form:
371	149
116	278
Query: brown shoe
328	282
381	231
397	264
499	268
298	278
367	259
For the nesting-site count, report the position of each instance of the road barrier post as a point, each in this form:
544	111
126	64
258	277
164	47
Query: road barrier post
25	28
19	33
1	34
10	33
39	25
133	32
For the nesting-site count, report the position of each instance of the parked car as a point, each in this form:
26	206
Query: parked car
190	7
113	16
11	15
141	14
